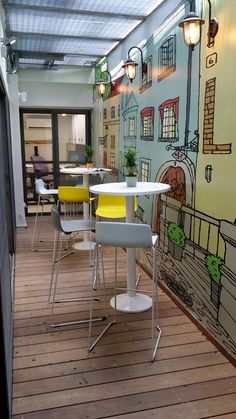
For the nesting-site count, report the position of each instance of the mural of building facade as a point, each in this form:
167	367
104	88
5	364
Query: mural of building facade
179	118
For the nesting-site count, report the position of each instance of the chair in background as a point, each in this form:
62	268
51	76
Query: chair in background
43	196
128	235
41	169
71	198
64	228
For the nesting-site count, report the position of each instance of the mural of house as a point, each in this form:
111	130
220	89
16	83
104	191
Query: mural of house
178	116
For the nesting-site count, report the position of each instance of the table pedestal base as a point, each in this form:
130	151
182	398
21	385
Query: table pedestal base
132	304
83	245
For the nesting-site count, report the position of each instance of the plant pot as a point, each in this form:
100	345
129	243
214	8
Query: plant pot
175	250
89	165
131	181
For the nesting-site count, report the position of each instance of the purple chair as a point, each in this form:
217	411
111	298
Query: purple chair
41	169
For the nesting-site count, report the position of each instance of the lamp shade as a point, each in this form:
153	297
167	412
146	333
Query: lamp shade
191	29
130	69
101	86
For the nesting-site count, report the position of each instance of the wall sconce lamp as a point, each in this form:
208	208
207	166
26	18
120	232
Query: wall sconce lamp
130	65
208	173
102	83
8	41
191	25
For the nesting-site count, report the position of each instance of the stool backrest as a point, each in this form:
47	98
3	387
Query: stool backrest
73	194
56	220
113	206
39	186
123	234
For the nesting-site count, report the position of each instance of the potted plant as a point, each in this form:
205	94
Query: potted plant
213	265
177	240
89	151
130	165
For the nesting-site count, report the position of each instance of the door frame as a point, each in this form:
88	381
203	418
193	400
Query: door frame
55	144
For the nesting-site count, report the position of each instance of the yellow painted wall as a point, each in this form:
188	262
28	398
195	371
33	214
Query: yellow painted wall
111	127
217	198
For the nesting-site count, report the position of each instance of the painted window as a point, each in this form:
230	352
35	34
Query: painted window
169	114
147	123
113	112
112	160
132	126
113	141
146	78
145	170
167	57
105	113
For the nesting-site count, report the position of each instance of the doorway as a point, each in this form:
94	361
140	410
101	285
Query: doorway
51	140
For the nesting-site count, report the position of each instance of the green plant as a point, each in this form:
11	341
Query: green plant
89	153
130	163
213	264
176	234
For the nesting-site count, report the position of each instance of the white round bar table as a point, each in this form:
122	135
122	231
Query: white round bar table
85	172
131	301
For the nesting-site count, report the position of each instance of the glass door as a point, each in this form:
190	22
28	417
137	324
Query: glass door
38	154
52	140
72	140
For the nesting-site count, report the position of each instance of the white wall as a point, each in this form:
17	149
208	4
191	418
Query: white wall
57	89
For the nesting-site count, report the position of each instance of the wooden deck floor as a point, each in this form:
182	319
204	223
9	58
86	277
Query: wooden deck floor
55	377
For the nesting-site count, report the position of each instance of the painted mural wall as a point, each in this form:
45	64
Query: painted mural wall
179	116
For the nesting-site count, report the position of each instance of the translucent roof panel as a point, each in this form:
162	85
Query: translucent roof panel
91	28
69	24
135	7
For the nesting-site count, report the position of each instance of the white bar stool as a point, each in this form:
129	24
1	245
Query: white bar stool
42	194
129	235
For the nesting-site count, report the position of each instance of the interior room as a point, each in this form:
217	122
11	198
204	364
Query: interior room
118	210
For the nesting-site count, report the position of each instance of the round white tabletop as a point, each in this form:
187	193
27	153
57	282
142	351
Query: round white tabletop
84	171
120	188
131	301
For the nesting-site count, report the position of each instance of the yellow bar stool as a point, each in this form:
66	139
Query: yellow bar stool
70	199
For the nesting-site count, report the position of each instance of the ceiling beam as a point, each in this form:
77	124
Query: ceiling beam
48	35
47	55
65	10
